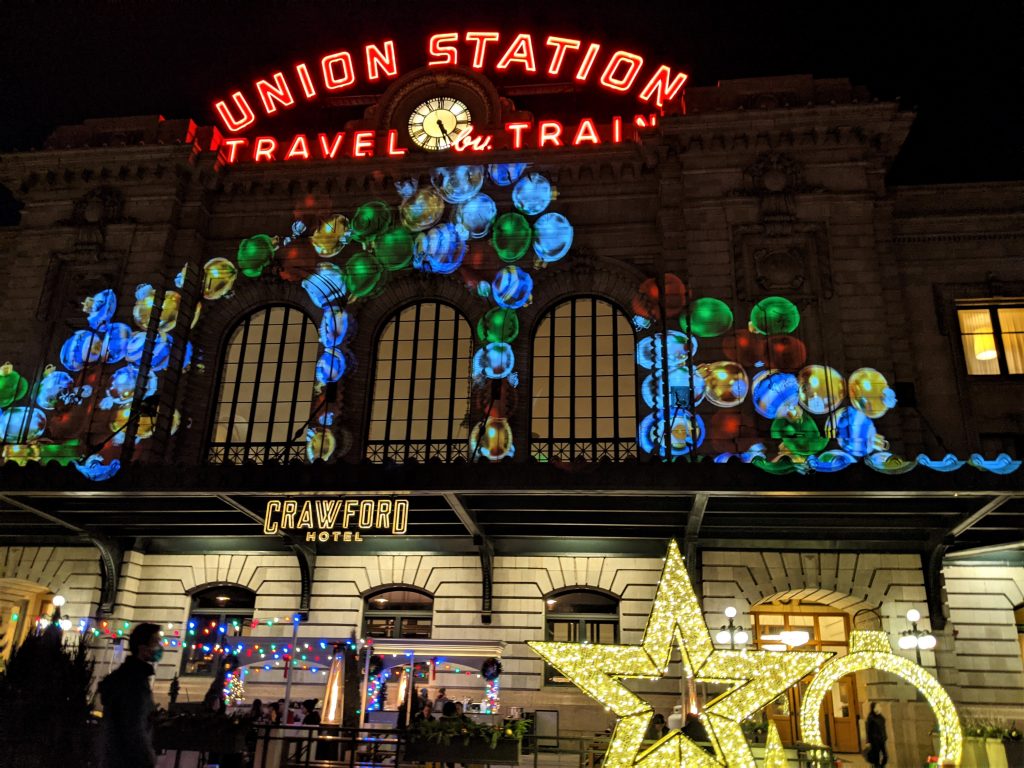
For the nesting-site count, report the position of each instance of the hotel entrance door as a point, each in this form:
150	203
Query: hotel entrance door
838	715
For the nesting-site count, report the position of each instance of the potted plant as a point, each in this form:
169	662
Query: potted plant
457	740
994	751
1013	743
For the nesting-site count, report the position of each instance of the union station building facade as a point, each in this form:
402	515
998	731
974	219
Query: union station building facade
457	400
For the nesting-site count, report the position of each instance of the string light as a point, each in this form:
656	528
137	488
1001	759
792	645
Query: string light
774	752
755	678
872	650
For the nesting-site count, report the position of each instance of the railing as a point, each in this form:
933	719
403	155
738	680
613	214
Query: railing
302	746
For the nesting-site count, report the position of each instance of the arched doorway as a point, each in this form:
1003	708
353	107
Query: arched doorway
22	603
812	620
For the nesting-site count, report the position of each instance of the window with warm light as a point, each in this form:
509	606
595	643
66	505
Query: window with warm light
579	616
421	386
584	384
266	388
993	339
401	612
218	615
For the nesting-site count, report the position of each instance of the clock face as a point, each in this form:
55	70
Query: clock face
438	121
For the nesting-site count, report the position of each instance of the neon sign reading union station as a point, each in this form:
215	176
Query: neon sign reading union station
448	122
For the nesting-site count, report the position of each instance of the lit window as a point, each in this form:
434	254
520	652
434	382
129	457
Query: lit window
584	384
579	616
266	388
993	339
421	386
401	612
218	615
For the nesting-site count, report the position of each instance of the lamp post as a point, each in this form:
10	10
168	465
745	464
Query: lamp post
914	638
730	633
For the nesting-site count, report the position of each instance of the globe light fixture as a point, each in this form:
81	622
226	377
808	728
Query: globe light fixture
730	633
730	612
58	601
916	639
913	615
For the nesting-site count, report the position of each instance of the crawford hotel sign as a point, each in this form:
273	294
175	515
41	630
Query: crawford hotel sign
325	519
446	120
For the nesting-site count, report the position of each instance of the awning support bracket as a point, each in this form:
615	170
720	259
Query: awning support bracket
486	550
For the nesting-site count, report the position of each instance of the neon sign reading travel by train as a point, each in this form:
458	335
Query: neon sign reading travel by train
582	61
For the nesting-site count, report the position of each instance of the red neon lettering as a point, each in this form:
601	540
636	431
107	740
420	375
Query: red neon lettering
561	45
278	92
393	149
299	148
362	144
520	51
587	132
378	61
549	132
330	152
265	148
624	81
332	81
480	41
588	61
233	146
661	88
616	130
307	82
232	123
438	47
517	130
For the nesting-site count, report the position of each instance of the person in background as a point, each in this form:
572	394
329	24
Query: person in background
128	702
877	755
310	716
424	698
274	713
656	729
256	713
426	713
441	699
675	720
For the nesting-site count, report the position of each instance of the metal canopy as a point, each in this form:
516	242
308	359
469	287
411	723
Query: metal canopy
616	509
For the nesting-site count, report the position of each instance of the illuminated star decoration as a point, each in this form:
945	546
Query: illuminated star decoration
755	678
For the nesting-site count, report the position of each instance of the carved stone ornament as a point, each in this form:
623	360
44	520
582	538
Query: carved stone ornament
780	269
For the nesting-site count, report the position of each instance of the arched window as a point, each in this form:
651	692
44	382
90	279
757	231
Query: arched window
217	615
584	384
421	386
579	616
266	387
404	612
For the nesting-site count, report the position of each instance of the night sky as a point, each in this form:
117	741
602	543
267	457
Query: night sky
958	64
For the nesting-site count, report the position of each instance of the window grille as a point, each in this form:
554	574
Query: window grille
579	616
421	386
584	384
266	388
400	612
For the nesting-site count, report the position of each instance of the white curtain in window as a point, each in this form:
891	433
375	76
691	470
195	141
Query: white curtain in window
1011	322
978	339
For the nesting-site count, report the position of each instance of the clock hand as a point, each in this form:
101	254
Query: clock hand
440	125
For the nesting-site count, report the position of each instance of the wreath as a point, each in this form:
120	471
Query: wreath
490	670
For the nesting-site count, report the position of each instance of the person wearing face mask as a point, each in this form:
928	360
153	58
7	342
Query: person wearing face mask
128	703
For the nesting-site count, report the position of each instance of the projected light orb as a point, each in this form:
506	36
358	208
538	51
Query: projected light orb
370	220
855	432
22	425
331	366
495	360
393	249
476	215
331	236
145	299
82	348
254	254
333	327
652	354
421	210
684	433
100	308
13	386
115	342
725	383
774	315
532	194
219	277
458	183
776	394
822	389
746	348
326	285
786	353
320	444
552	237
679	390
800	436
511	237
505	174
870	393
361	274
440	250
707	318
54	388
512	287
492	440
498	324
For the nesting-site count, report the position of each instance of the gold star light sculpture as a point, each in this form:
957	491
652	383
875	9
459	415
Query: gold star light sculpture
755	678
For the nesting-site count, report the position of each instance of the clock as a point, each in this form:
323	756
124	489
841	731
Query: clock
437	122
